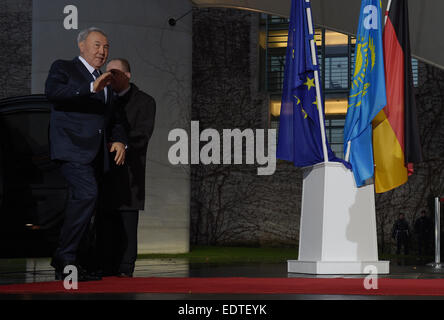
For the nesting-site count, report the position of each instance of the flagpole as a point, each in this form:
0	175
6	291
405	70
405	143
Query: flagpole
318	90
347	154
387	11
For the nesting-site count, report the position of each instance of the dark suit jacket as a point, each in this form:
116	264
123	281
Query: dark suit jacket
79	121
125	185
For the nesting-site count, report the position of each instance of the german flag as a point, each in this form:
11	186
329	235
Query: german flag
396	144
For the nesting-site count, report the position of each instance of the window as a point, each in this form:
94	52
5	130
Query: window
336	73
415	72
335	135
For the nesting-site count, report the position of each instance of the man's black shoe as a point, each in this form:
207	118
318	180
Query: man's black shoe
95	275
82	274
59	266
125	275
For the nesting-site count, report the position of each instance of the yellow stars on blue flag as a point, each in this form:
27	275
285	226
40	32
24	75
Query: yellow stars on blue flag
300	135
316	103
308	97
310	83
298	102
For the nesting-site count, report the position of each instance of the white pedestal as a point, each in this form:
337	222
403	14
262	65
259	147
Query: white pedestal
338	224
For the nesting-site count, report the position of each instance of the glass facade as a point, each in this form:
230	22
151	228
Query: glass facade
336	59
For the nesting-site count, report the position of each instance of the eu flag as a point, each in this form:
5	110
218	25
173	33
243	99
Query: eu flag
300	138
367	93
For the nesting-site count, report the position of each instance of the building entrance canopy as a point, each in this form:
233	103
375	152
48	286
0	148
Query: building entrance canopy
426	20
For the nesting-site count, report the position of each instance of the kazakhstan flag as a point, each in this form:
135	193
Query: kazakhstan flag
367	94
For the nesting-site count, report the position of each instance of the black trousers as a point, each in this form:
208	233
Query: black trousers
402	239
117	236
80	206
422	244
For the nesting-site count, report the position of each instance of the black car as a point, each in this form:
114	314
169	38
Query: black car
32	191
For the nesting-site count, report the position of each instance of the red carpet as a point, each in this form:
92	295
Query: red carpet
338	286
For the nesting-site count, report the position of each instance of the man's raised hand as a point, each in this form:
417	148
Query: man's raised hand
102	81
120	81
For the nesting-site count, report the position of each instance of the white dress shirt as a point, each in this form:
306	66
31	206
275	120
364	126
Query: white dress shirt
91	70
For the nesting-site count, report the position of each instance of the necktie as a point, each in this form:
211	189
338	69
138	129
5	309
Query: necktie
96	73
101	94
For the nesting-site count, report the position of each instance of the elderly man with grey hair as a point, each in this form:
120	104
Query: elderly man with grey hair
83	123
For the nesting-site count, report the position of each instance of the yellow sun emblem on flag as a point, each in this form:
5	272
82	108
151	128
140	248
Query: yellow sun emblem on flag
365	54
